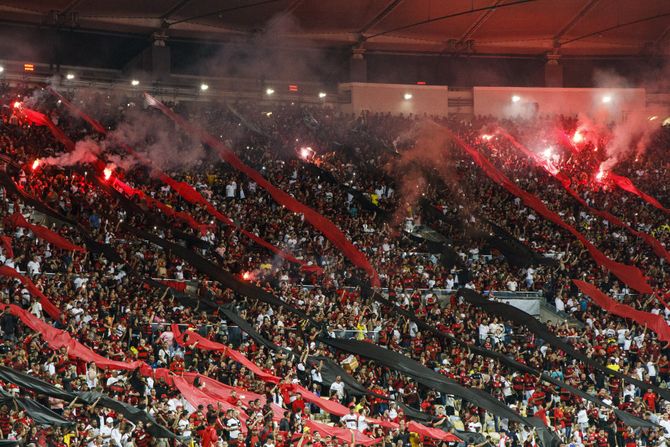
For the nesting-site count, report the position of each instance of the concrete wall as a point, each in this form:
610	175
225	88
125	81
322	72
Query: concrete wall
425	99
606	104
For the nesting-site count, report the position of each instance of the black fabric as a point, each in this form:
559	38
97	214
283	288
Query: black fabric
218	274
93	245
41	387
130	412
423	375
244	325
41	414
625	417
245	122
511	313
515	252
358	196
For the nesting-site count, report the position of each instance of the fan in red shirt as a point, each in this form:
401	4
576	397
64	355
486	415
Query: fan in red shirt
141	437
208	436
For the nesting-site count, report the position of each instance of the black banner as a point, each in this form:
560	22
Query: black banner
511	313
131	413
625	417
423	375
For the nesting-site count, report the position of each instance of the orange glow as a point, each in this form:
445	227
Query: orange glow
28	67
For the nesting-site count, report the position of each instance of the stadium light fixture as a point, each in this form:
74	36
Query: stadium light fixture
69	76
204	87
270	91
607	99
516	98
322	95
2	68
407	96
134	82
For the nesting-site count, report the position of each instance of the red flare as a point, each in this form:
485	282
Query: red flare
17	104
246	276
577	137
107	172
36	164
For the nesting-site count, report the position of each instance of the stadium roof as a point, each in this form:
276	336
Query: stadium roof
521	27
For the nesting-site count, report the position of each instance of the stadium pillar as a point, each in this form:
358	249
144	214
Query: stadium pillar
553	71
153	61
358	68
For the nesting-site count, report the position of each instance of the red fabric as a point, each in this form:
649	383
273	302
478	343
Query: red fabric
223	392
57	339
630	275
188	193
78	112
329	406
167	210
317	220
429	432
180	286
6	242
627	185
342	434
17	220
655	245
196	397
49	307
209	345
39	119
654	322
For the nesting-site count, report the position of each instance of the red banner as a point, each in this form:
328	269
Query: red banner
7	248
39	119
627	185
78	112
49	307
319	222
429	432
343	434
167	210
630	275
209	345
654	322
17	220
655	245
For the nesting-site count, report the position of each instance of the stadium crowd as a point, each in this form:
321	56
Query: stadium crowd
414	179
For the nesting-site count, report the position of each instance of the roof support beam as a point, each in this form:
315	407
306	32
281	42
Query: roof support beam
293	6
478	23
170	12
73	4
393	4
571	24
